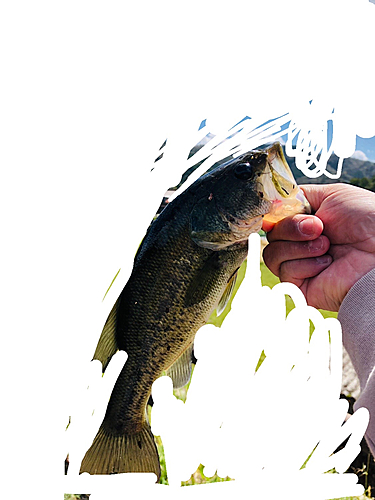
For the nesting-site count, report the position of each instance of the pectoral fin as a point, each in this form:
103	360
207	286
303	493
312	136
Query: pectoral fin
226	295
204	281
180	371
107	345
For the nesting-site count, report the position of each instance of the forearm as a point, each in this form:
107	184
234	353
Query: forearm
357	318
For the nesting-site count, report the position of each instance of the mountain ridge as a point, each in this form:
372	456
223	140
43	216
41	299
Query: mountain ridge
351	168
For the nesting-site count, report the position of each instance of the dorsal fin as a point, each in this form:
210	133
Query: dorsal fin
107	345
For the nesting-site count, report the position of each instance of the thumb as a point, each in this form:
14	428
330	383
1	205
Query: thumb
316	193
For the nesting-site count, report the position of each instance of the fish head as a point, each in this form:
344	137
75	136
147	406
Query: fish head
244	192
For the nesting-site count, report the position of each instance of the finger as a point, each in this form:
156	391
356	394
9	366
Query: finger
296	228
278	252
296	271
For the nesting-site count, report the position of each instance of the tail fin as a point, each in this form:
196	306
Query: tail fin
113	454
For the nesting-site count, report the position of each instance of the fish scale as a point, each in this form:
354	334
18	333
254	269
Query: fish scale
185	268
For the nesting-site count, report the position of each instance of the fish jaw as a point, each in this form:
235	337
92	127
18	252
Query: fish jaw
279	187
241	229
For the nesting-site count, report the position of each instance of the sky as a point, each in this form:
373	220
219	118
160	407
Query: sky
365	148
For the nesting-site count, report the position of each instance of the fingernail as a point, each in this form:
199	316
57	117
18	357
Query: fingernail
324	259
306	227
315	245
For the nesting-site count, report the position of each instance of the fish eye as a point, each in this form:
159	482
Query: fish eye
243	171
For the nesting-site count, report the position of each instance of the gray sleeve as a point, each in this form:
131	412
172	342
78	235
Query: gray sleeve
357	318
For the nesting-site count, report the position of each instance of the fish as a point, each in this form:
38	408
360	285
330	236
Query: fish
184	269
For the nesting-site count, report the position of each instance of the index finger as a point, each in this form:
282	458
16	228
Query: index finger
296	228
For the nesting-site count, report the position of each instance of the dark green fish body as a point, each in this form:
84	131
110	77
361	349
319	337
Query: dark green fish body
185	267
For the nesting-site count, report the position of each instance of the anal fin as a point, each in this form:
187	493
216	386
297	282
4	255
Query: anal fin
180	371
107	345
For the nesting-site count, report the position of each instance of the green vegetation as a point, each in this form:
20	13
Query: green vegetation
163	478
68	496
364	182
199	478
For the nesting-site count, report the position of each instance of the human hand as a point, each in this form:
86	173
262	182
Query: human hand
327	253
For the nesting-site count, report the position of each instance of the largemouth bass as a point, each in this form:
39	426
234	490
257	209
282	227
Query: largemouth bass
185	267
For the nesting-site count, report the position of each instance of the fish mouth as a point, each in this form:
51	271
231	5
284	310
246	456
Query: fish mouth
279	195
277	185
